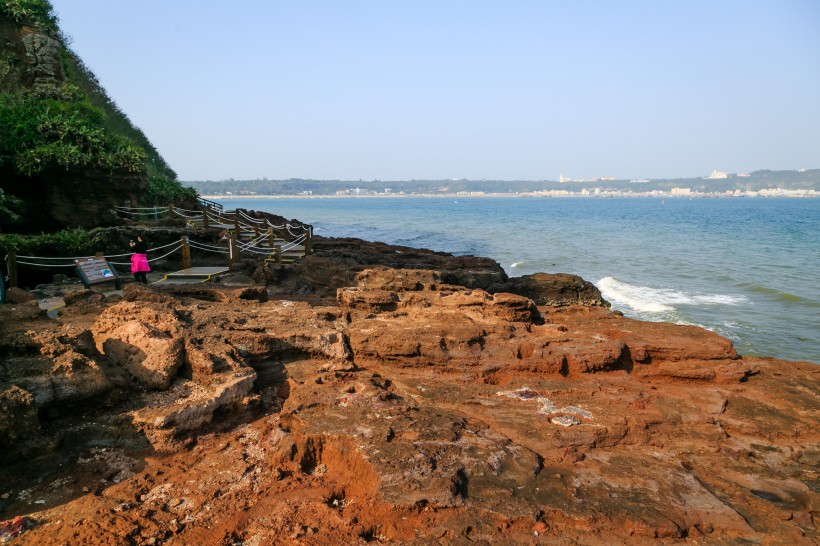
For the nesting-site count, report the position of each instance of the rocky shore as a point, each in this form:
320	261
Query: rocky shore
386	394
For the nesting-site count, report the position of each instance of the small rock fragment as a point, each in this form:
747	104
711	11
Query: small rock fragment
565	421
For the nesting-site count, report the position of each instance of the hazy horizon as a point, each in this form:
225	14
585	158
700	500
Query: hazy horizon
268	178
460	90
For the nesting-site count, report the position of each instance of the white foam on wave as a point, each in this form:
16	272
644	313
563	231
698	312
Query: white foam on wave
516	264
645	299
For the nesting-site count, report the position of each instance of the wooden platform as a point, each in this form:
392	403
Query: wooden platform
193	275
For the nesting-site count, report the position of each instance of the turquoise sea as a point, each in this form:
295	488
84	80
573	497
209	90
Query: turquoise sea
747	268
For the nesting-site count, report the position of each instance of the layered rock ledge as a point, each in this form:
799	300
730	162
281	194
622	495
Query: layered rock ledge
408	409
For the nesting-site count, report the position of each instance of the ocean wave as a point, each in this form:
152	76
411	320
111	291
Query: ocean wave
778	295
516	264
645	299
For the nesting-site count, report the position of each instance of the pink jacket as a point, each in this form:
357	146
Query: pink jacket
139	262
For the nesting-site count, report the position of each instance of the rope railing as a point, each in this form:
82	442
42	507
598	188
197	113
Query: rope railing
298	241
252	243
72	258
290	232
220	219
179	245
142	211
251	219
192	242
31	264
262	244
205	248
260	251
196	214
224	219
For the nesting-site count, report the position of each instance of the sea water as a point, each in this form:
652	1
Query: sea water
746	268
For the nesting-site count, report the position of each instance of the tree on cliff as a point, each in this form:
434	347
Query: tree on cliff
68	154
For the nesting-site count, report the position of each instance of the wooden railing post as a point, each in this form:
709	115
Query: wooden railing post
236	221
205	217
308	237
12	264
278	254
270	237
186	253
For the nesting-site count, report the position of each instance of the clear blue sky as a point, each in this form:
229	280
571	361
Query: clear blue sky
460	89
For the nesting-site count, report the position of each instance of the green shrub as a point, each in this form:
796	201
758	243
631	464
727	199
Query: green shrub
60	129
30	11
68	242
165	191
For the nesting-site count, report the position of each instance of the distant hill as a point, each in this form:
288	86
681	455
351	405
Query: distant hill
752	182
68	154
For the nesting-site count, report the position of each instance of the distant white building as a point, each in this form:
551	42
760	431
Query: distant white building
717	175
681	191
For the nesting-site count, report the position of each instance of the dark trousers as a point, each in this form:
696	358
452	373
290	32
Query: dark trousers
139	276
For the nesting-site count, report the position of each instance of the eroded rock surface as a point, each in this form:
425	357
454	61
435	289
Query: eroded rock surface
417	411
553	289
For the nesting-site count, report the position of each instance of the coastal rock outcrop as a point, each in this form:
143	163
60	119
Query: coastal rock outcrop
554	289
417	411
335	263
145	339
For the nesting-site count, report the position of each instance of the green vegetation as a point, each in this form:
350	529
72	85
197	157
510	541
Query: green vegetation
64	143
30	11
68	242
162	190
41	130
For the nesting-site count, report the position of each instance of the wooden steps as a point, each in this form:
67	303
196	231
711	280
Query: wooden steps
193	275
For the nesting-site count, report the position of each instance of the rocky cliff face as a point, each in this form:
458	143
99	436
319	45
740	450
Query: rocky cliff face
408	410
66	149
31	57
33	60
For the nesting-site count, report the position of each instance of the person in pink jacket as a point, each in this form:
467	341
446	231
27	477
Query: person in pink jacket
139	260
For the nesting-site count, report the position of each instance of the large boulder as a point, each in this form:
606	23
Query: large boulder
336	262
554	289
144	339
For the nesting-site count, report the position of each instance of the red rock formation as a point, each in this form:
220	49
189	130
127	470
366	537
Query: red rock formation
420	412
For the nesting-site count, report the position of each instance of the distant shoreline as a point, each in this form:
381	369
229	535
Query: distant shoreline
517	195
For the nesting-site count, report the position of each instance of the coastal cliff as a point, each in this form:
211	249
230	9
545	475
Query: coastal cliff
68	154
407	409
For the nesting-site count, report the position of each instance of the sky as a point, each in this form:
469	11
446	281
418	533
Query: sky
506	90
